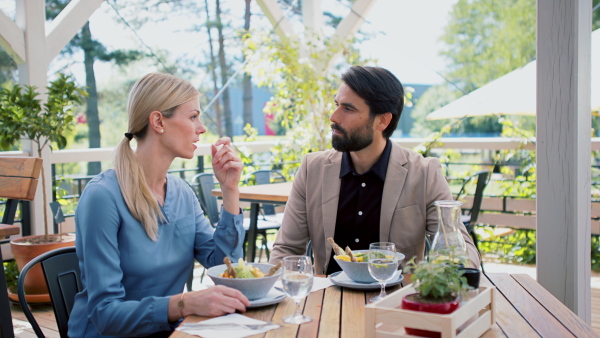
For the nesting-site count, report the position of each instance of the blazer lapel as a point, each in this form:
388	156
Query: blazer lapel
330	190
394	182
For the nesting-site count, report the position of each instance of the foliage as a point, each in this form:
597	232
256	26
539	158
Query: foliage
518	248
595	253
477	37
438	279
303	90
22	115
12	275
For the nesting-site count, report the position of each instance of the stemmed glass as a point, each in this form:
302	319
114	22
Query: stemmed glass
297	282
383	264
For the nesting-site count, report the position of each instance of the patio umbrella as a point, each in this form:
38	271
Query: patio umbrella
513	93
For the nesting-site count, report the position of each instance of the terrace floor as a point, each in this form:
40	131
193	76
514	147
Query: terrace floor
45	317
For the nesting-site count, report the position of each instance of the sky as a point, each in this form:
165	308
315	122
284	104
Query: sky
405	39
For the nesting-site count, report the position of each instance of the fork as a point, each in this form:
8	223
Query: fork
227	325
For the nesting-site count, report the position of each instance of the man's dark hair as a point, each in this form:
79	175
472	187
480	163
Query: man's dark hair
380	89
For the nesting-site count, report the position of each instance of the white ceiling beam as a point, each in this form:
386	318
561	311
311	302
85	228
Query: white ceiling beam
312	16
70	20
12	39
281	24
348	27
350	24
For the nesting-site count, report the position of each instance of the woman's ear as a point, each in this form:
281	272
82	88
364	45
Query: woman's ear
156	121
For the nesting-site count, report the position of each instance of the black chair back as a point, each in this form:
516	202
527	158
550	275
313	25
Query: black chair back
206	183
61	270
267	177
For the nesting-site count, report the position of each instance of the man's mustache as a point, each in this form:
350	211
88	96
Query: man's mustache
336	127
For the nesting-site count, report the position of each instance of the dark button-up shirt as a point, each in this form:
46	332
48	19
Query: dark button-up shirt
359	205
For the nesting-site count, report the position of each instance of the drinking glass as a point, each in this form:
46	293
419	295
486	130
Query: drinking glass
297	280
383	264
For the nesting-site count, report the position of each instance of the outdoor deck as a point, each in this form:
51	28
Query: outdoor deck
45	316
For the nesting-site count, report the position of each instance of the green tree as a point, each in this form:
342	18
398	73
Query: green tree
302	91
92	51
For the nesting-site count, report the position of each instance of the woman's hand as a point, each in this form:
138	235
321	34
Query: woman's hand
226	164
212	302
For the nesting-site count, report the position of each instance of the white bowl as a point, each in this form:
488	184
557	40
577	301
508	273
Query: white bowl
359	271
252	288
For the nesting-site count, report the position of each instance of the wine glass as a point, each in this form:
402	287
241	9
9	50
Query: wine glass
383	264
297	280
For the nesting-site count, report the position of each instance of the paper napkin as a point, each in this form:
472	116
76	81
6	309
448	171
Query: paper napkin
228	332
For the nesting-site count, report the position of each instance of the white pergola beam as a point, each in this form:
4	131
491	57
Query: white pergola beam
281	24
349	26
351	23
12	39
312	16
70	20
563	151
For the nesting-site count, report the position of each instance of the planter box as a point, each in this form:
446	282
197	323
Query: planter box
386	318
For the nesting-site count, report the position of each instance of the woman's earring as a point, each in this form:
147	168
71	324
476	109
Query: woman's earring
162	131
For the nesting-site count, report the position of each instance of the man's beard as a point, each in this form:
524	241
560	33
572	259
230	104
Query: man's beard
355	141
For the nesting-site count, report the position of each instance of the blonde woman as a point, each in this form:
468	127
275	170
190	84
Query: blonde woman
139	228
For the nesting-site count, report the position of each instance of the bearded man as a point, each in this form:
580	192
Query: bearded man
368	189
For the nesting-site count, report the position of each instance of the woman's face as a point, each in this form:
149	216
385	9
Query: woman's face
182	130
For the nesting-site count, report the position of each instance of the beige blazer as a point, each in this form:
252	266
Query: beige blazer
412	185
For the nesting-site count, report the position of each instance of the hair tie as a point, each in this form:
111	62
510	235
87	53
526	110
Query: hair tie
129	136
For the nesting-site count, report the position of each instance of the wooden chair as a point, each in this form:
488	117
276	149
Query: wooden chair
18	182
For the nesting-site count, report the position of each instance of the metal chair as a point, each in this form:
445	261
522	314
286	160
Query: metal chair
205	183
266	177
61	270
470	219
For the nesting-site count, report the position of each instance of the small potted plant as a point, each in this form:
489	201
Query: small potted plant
23	115
439	284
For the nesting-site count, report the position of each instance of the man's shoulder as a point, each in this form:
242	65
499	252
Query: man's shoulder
322	156
410	157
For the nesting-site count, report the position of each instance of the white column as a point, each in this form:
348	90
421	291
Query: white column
31	18
563	151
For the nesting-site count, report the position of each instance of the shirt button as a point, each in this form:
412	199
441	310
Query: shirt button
357	240
360	213
363	185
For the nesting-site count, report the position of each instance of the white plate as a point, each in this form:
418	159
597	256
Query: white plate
273	297
341	279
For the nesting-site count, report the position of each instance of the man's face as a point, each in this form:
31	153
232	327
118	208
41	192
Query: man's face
352	125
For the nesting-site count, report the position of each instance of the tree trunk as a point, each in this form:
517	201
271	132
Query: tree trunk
247	82
224	73
91	110
213	67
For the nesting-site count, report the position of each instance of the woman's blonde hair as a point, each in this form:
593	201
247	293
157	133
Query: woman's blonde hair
153	92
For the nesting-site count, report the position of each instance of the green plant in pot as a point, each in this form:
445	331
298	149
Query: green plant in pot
439	284
22	114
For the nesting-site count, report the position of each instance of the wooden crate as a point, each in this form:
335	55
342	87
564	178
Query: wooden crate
385	318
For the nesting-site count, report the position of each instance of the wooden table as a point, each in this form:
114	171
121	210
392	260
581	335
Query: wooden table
275	193
523	309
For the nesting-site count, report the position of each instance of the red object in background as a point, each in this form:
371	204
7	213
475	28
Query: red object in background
268	130
441	308
81	119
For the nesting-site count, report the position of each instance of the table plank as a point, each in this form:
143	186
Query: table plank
330	315
285	308
353	313
570	320
263	193
312	308
543	322
509	323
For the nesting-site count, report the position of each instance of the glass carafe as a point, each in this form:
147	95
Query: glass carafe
448	243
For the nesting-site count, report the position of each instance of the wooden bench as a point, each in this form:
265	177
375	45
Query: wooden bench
518	213
18	182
